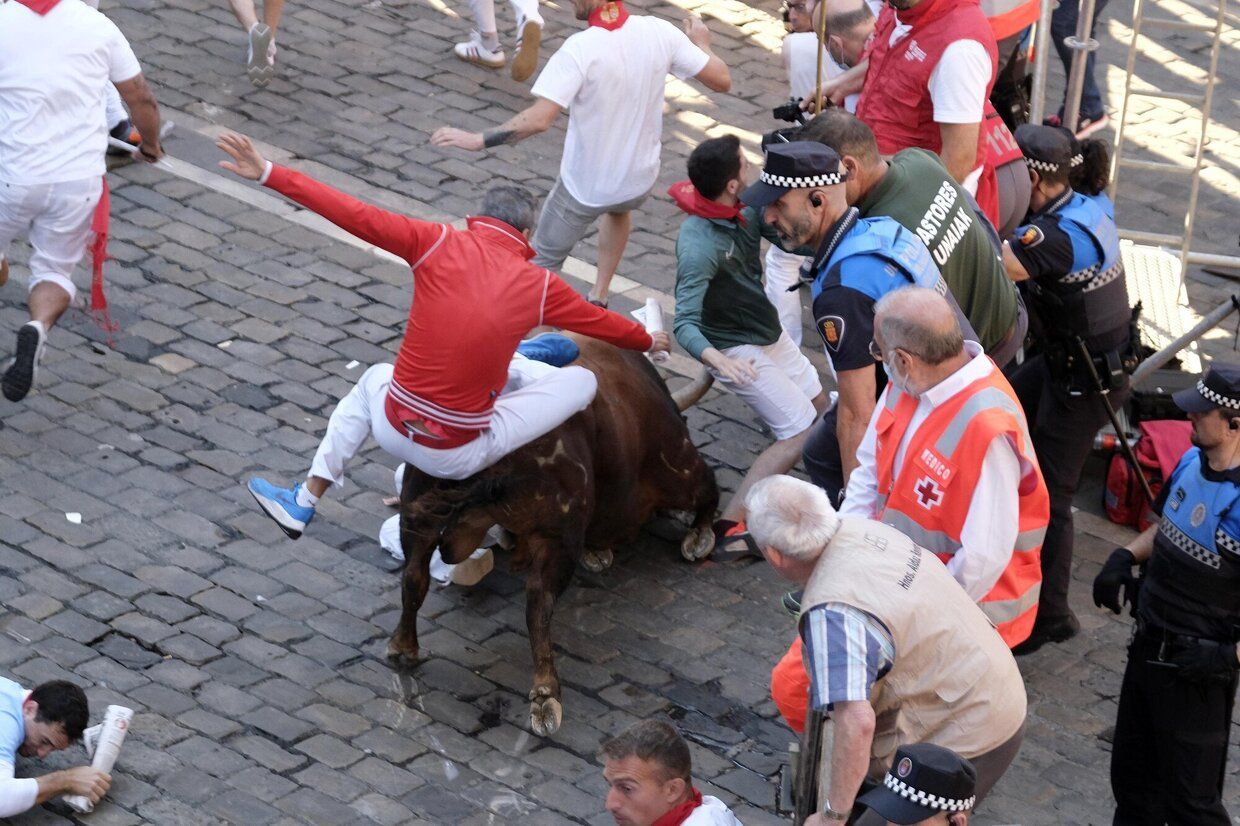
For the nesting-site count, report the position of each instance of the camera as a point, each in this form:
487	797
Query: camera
790	112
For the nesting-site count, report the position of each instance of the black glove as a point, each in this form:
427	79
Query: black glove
1207	661
1116	573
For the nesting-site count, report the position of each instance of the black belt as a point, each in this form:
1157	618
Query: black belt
1168	641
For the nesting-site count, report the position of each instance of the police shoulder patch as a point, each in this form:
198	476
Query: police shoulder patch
1031	236
832	329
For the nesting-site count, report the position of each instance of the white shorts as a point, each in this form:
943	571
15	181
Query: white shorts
56	219
782	394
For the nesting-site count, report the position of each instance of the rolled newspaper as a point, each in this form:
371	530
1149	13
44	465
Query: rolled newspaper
654	324
107	747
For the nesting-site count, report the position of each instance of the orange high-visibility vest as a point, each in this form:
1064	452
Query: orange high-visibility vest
929	497
1007	17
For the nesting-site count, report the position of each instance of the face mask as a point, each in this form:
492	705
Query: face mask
898	380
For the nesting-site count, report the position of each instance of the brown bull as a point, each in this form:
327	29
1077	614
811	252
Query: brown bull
586	487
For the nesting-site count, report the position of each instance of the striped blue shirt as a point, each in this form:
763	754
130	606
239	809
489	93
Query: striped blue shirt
848	650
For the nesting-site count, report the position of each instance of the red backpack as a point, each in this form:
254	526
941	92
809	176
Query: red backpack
1158	451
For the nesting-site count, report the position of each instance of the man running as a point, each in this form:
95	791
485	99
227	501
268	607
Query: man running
440	406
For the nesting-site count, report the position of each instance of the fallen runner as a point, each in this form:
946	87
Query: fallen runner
459	397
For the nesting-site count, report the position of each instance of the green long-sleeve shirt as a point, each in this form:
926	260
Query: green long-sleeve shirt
720	301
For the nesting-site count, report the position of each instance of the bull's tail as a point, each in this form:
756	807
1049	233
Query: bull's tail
692	393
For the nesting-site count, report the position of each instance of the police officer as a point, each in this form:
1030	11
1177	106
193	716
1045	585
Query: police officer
1170	747
858	261
1066	256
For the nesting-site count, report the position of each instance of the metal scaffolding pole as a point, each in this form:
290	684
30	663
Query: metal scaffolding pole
1081	45
1041	58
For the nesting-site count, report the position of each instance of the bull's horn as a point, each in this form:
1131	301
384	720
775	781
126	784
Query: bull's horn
693	392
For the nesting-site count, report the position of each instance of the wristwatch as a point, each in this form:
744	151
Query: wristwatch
832	814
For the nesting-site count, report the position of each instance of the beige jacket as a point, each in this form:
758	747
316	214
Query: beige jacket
954	682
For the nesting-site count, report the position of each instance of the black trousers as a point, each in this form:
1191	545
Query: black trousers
1063	428
821	455
1170	748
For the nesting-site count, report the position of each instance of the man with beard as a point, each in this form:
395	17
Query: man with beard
857	261
1170	748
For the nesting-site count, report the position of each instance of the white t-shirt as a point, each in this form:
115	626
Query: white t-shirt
712	812
801	61
54	71
612	84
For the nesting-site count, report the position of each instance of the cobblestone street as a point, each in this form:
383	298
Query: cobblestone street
133	560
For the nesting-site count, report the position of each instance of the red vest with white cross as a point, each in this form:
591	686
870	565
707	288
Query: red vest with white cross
895	96
929	496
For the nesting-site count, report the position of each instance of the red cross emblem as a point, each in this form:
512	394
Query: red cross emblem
928	492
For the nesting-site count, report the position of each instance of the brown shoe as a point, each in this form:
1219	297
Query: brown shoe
526	61
4	271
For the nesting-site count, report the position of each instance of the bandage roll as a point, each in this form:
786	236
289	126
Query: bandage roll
654	324
111	736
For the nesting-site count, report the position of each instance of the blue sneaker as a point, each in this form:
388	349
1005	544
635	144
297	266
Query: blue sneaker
281	505
550	348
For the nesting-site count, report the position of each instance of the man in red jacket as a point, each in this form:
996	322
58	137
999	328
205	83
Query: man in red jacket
924	82
459	397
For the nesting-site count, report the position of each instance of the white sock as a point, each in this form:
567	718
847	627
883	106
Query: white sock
490	41
306	499
38	325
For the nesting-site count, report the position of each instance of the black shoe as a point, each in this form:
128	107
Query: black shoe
1059	629
25	365
792	602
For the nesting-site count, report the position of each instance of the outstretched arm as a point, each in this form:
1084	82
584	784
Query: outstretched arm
397	234
564	307
533	120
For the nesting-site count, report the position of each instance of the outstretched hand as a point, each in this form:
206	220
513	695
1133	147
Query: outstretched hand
451	136
246	160
695	29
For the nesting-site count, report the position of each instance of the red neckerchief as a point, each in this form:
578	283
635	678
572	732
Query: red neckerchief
99	254
505	234
610	16
681	813
686	196
928	10
39	7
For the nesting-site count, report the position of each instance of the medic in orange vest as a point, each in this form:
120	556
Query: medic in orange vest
951	466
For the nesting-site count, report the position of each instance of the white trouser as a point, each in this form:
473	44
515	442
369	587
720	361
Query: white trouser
537	398
783	270
56	220
484	13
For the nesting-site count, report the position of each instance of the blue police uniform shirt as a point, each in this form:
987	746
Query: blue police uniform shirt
861	260
1192	582
12	724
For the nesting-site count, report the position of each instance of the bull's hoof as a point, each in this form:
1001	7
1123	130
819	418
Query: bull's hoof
545	712
697	544
402	656
597	561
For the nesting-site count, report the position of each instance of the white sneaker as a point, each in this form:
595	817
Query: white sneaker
259	65
472	51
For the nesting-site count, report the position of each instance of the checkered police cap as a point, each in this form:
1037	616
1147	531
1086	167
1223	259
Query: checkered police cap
1047	149
796	165
930	801
1218	388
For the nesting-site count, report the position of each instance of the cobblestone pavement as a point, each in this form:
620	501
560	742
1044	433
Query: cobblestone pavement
256	665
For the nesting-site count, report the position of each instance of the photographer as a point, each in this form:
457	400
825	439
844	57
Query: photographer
1170	748
1067	255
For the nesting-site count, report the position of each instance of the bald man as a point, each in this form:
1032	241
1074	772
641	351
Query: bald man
948	444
